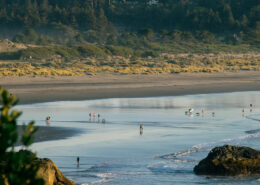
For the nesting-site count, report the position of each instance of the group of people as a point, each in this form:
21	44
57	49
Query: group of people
190	112
251	110
94	117
48	118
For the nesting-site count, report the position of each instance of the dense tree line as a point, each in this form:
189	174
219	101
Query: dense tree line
212	15
217	16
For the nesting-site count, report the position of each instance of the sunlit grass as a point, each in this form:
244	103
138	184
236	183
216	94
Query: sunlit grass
165	64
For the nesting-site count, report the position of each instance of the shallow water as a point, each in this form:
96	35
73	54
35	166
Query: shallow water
171	145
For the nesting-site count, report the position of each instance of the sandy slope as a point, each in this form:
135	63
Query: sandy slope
42	89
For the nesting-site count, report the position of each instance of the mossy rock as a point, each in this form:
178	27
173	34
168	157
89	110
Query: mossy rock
230	160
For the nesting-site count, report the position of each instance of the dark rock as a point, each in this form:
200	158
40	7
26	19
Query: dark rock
230	161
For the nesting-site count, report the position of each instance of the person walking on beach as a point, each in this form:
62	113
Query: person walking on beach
78	161
98	117
203	113
141	129
89	116
94	116
48	119
251	107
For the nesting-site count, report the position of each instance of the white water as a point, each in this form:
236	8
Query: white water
171	145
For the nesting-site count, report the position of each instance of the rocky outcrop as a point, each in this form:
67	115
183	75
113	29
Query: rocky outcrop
230	161
50	173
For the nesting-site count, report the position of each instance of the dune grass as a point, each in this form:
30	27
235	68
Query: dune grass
165	64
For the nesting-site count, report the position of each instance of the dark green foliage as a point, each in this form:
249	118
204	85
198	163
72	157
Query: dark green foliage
20	38
111	39
148	33
75	22
58	51
120	51
205	36
35	53
92	36
10	56
41	53
150	54
79	38
16	168
30	36
29	130
90	51
213	15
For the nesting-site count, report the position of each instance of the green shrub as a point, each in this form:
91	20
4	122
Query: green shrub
90	51
205	36
66	52
148	33
36	53
15	167
92	36
111	39
9	56
20	38
120	51
28	36
150	53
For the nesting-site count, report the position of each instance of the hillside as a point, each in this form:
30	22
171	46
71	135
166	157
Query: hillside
87	37
96	20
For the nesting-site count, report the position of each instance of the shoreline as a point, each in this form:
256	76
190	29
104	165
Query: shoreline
49	89
49	133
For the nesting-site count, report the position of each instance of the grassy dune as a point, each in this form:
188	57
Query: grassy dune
166	63
91	59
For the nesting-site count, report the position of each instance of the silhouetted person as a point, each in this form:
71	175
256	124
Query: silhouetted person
78	161
48	120
203	113
98	117
141	129
94	116
89	116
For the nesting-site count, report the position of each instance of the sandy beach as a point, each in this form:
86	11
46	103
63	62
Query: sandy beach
117	150
46	89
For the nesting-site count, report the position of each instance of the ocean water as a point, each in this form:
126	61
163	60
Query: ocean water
172	143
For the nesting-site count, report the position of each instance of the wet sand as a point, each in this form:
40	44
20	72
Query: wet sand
46	89
49	133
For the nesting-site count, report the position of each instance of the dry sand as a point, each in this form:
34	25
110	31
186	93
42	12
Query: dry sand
44	89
